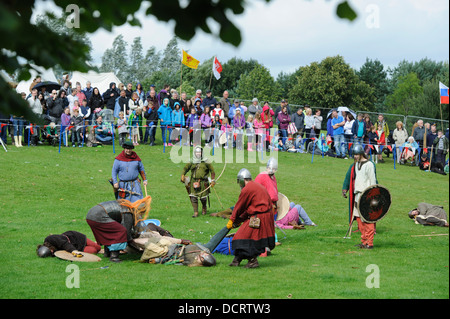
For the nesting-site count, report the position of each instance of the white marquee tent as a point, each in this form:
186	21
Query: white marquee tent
99	80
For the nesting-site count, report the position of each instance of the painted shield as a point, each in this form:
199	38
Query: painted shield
374	203
85	257
282	206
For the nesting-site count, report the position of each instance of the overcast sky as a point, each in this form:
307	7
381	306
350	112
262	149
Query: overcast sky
286	34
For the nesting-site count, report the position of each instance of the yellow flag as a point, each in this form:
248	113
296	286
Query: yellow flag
189	61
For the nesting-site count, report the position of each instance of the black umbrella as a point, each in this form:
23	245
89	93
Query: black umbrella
49	86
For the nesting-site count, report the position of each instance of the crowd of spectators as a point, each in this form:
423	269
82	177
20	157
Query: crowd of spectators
86	116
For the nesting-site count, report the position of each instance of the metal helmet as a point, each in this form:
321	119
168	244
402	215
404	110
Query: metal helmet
43	251
207	259
358	149
242	176
272	165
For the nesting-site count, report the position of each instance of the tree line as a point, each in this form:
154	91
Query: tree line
410	88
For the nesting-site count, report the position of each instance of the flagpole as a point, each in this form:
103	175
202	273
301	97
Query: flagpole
210	78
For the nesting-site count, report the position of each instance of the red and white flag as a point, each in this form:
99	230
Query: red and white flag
217	68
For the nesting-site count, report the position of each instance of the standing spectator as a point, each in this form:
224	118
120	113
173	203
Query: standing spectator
381	141
178	121
284	119
384	125
250	132
80	95
298	118
37	108
225	102
88	90
419	133
431	136
239	125
95	102
85	112
191	124
218	111
349	132
283	103
129	90
258	126
309	126
209	100
65	121
122	128
110	96
254	107
76	124
317	122
232	110
206	123
67	87
360	129
151	114
338	123
152	98
140	92
267	119
441	144
400	136
165	117
197	96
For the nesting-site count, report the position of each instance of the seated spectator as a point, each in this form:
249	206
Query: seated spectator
410	148
50	134
429	215
102	132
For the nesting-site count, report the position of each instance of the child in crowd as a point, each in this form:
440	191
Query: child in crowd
122	128
250	132
217	124
228	130
92	140
381	141
133	122
373	140
258	126
65	121
51	134
76	124
191	122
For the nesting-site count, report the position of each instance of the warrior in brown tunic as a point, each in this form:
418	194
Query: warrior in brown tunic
198	184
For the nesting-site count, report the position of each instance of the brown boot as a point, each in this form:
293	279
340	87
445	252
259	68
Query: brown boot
236	261
252	263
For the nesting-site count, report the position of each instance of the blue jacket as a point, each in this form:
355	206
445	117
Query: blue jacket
177	117
165	115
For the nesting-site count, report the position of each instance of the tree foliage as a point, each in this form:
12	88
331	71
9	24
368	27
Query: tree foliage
331	83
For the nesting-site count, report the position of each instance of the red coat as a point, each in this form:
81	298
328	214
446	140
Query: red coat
251	242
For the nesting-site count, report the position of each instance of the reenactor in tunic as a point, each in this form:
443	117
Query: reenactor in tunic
198	185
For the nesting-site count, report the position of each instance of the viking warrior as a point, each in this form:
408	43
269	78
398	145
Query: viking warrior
113	223
360	175
198	184
125	174
71	241
429	215
254	213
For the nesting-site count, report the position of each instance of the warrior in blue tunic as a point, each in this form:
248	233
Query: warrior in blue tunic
125	174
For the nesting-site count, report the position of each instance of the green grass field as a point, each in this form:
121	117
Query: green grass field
43	192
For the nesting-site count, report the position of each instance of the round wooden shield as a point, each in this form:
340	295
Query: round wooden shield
374	203
223	138
62	254
282	206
